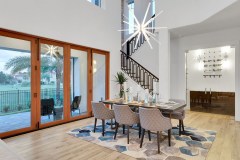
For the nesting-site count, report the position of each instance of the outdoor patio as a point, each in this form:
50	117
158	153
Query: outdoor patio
22	120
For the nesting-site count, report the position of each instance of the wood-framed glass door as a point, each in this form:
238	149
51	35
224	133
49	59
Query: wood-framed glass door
80	82
100	75
52	83
18	56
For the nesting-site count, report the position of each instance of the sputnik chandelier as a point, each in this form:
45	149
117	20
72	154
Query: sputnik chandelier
51	50
142	28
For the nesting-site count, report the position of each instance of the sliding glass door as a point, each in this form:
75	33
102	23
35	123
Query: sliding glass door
100	62
17	81
79	96
51	82
46	82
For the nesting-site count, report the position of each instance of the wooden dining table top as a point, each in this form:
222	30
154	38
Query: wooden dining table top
170	106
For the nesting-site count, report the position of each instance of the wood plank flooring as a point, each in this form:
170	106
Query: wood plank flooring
53	143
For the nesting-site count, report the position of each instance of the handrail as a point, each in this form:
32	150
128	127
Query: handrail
155	77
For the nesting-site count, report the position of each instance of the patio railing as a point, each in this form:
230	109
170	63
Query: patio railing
20	100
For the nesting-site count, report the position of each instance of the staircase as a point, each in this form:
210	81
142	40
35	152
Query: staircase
133	69
137	72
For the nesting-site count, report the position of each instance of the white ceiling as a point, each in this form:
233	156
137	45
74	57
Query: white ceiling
227	18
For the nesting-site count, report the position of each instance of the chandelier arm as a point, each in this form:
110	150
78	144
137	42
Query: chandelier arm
152	19
139	34
145	16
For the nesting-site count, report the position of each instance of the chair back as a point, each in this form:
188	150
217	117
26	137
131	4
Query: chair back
47	106
100	111
124	115
153	120
76	102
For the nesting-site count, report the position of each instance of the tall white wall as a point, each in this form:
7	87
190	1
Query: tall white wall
182	13
207	40
75	21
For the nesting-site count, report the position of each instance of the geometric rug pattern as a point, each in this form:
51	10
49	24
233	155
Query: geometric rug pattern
194	144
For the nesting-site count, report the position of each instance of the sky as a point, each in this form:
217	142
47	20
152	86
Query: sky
5	55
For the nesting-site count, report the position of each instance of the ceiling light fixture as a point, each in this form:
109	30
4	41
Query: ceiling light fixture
51	50
142	28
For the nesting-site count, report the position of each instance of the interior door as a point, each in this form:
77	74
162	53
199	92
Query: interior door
17	83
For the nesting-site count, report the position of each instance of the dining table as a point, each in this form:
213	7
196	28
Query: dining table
167	107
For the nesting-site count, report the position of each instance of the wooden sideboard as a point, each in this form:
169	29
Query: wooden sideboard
213	102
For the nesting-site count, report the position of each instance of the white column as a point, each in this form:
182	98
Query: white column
164	64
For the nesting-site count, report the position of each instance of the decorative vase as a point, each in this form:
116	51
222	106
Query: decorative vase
121	92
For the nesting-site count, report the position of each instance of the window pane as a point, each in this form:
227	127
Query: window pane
131	18
51	83
15	80
78	82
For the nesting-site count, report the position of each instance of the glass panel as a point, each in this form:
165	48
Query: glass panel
15	80
78	82
99	77
51	83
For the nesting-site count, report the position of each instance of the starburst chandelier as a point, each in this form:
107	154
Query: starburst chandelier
51	50
142	28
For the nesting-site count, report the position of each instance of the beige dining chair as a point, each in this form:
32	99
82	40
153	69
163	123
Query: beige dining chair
126	117
100	111
179	115
153	120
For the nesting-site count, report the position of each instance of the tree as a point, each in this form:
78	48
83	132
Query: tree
5	78
52	63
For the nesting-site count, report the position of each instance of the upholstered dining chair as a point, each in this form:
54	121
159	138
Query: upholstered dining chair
100	111
179	115
153	120
126	117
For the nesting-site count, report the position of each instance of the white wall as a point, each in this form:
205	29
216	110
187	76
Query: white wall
207	40
75	21
195	71
182	13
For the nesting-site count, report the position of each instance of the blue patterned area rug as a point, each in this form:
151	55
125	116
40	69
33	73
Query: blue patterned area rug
194	144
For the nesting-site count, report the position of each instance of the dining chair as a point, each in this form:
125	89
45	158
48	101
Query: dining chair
153	120
47	107
179	115
126	117
100	111
75	104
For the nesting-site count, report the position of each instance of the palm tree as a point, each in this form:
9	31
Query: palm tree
48	64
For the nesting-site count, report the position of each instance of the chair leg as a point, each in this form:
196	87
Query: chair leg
123	129
183	126
48	116
143	132
169	137
95	123
149	135
139	130
103	127
79	111
179	126
158	142
128	134
116	125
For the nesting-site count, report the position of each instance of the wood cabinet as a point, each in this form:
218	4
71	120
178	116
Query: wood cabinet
213	102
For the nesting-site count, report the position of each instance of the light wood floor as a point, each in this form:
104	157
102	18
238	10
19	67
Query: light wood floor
53	143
